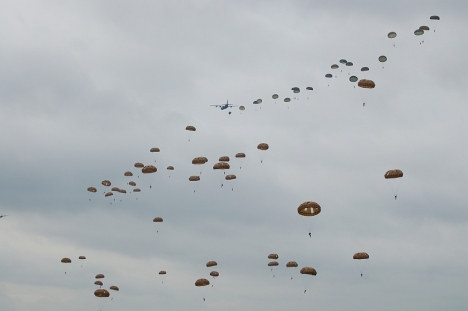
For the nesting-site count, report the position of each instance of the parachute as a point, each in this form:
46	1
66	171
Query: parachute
194	178
424	28
221	166
224	159
308	270
419	32
82	257
170	168
214	273
394	185
309	88
162	272
343	61
273	256
99	276
365	69
211	263
108	194
366	84
273	264
190	128
98	283
154	149
349	64
113	287
157	219
101	293
353	78
66	260
296	90
132	183
274	96
240	155
106	183
128	173
230	177
92	189
334	66
434	17
360	256
309	209
291	264
287	100
138	165
263	146
392	35
115	189
241	108
148	169
328	75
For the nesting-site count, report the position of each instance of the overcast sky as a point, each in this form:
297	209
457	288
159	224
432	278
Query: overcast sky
88	87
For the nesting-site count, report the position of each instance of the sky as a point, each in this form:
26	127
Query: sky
88	88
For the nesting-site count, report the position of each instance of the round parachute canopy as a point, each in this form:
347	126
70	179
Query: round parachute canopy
382	59
154	149
255	102
137	190
391	34
115	189
393	174
82	257
263	146
274	96
204	159
106	183
66	260
309	88
419	32
170	168
194	178
353	78
349	64
128	173
343	61
241	108
240	155
259	101
287	100
434	17
148	169
99	276
98	283
190	128
108	194
202	282
113	287
273	264
230	177
221	166
335	66
224	159
139	165
424	27
132	183
211	263
162	272
92	189
366	84
308	270
198	161
361	256
214	273
309	209
291	264
296	90
328	75
101	293
365	69
158	219
123	191
273	256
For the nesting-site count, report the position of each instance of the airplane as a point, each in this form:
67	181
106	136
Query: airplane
225	106
1	216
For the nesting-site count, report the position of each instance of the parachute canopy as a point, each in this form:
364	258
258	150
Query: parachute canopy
349	64
263	146
424	27
82	257
361	256
113	287
382	59
211	263
128	173
92	189
273	256
157	219
366	84
98	283
273	264
434	17
106	183
224	159
221	166
287	100
393	174
343	61
353	78
154	149
101	293
202	282
274	96
190	128
99	276
230	177
392	34
137	190
194	178
296	89
148	169
214	273
66	260
242	108
170	168
419	32
309	209
162	272
132	183
328	75
138	165
108	194
309	88
334	66
240	155
365	69
115	189
308	270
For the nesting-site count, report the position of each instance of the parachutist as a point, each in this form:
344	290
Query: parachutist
203	299
310	234
361	275
305	290
395	197
363	104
